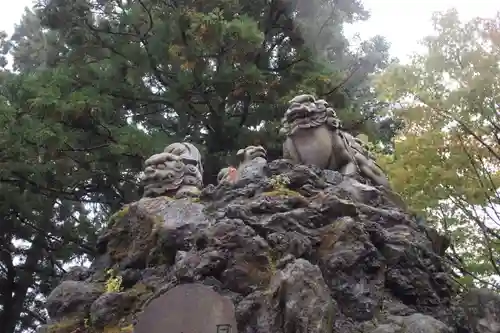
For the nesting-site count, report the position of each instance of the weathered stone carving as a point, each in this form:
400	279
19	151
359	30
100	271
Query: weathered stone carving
178	172
193	167
253	160
250	153
227	174
253	163
314	137
188	308
163	175
188	152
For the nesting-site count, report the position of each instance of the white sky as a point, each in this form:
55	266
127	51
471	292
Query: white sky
405	22
402	22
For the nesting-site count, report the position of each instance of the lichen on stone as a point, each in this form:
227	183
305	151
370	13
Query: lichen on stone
118	215
282	192
65	325
140	288
157	223
116	329
271	258
279	184
279	181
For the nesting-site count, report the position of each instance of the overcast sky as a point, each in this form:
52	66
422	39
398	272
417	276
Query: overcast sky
405	22
402	22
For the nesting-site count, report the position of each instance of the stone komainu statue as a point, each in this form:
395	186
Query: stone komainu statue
227	174
252	161
250	153
176	172
313	136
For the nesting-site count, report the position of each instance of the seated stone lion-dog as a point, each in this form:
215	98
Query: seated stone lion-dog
177	172
252	163
313	137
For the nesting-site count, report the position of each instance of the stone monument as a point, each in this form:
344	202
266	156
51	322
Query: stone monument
188	308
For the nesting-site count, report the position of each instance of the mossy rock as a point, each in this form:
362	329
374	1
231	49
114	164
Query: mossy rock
115	329
282	192
65	325
118	215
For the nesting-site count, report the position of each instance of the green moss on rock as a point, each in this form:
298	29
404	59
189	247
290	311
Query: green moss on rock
117	329
282	192
118	215
65	325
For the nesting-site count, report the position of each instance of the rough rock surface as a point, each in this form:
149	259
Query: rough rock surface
310	252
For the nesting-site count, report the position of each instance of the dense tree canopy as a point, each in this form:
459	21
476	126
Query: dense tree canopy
446	161
98	86
213	71
60	149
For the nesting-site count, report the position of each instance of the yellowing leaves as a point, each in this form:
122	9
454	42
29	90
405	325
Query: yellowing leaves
415	166
448	100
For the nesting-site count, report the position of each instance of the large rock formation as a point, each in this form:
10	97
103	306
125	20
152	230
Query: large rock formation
296	249
315	243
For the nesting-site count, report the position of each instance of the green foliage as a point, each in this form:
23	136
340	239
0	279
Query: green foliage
68	158
213	72
280	187
446	161
113	283
280	181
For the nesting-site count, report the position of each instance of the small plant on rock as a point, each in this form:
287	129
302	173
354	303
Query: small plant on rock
280	187
280	181
272	259
113	283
